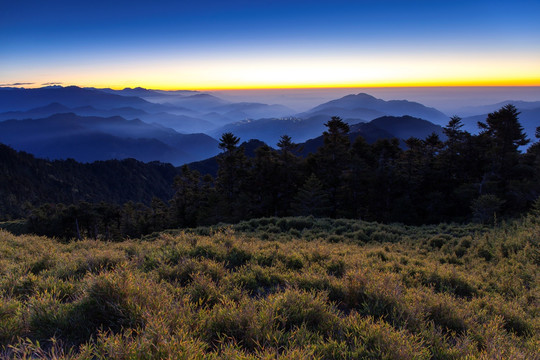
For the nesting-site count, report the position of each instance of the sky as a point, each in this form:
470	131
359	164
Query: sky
208	44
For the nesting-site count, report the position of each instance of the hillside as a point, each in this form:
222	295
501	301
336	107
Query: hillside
293	288
26	181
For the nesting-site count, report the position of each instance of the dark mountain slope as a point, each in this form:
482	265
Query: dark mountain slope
405	127
25	179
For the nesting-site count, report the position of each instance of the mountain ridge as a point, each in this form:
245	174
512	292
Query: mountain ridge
68	135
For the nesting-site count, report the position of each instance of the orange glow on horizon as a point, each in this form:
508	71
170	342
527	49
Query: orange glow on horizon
168	86
457	83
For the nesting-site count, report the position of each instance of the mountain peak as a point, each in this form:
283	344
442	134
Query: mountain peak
364	106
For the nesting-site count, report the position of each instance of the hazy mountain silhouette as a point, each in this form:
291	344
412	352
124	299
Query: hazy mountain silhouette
137	91
368	107
181	123
300	130
486	109
71	96
200	102
270	130
35	113
155	96
356	113
95	138
253	110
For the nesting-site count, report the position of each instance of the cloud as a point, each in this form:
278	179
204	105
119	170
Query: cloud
18	84
52	83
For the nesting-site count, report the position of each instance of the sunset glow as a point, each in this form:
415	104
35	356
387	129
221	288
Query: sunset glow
242	45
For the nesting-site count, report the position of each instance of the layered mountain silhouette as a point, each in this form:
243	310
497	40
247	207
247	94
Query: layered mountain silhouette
72	96
90	124
270	130
181	123
367	107
351	108
87	139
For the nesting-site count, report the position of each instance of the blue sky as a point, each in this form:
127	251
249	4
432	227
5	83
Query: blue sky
220	44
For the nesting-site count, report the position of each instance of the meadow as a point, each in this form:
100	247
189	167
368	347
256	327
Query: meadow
287	288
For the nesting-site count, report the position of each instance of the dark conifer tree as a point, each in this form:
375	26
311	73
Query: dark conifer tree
185	204
312	199
331	163
290	170
503	134
388	185
358	181
231	181
264	182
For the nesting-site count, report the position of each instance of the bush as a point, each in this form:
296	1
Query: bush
295	308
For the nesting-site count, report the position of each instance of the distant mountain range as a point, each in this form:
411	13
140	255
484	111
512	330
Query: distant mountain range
351	108
181	123
367	107
183	126
87	139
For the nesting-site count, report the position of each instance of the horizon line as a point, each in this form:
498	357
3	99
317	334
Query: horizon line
299	87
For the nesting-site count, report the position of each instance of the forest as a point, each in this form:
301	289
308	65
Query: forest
461	178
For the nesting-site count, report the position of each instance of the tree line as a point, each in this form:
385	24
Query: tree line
460	178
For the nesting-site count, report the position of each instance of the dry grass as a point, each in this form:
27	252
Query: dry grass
293	288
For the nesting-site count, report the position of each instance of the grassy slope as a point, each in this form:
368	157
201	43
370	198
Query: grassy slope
293	288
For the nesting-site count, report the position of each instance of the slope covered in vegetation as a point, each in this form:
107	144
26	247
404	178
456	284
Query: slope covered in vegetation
291	288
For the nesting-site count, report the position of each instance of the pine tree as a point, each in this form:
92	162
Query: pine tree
331	163
231	181
185	202
311	199
290	171
505	135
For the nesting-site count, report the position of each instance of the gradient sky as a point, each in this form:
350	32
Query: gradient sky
258	44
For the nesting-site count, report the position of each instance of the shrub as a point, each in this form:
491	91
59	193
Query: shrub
237	257
11	321
203	291
336	268
294	308
231	321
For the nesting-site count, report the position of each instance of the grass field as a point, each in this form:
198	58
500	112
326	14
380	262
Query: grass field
289	288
